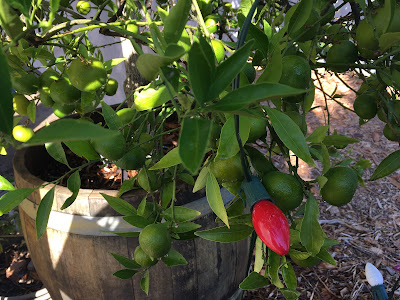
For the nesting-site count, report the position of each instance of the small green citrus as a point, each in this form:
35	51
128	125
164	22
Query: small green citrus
63	92
142	258
365	36
228	169
22	133
155	240
62	110
341	55
258	129
133	160
87	76
389	134
83	7
219	49
365	106
111	87
212	23
112	148
20	104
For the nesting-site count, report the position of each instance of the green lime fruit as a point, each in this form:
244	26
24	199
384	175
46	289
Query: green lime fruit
379	18
155	240
26	84
83	7
111	87
309	30
87	76
389	134
45	98
133	160
63	92
284	189
365	36
340	187
20	104
298	119
249	71
132	28
219	49
148	182
365	106
212	23
126	114
47	78
22	133
341	55
63	110
258	129
142	258
112	148
227	169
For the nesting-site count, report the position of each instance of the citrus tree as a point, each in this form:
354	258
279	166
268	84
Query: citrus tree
202	74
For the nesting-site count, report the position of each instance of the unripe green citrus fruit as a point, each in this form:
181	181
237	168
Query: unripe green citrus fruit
365	36
227	169
26	84
133	160
155	240
63	92
212	23
126	114
365	106
340	187
22	133
111	87
142	258
45	97
112	148
258	129
20	104
389	134
47	78
284	189
219	49
342	54
63	110
83	7
132	28
87	76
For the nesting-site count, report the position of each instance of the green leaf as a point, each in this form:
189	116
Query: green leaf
74	185
170	159
31	110
57	152
110	116
249	94
149	64
213	194
5	185
290	134
43	212
338	140
299	254
294	236
185	227
388	40
224	234
109	64
311	234
387	166
290	294
200	73
309	98
273	71
322	180
174	258
12	199
83	149
300	16
258	161
259	256
228	146
69	130
253	281
6	103
119	205
124	233
176	20
150	98
145	282
167	194
274	262
180	213
125	273
289	276
326	257
318	135
22	5
126	262
126	186
192	142
10	22
261	41
228	70
201	180
137	221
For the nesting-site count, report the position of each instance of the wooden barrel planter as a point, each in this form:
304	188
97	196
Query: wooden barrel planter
73	257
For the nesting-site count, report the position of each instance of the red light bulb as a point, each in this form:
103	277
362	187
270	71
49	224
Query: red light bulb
271	226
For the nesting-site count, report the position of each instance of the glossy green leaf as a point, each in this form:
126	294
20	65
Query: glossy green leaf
228	70
311	234
110	116
6	103
174	258
109	64
185	227
5	185
326	257
137	221
9	22
322	180
273	71
200	73
119	205
124	233
290	294
226	235
31	110
289	276
259	256
176	20
150	98
126	186
83	149
126	262
387	166
180	213
300	16
274	262
208	53
299	254
290	134
69	130
12	199
249	94
201	180
22	5
388	40
170	159
309	98
145	282
167	194
253	281
43	212
318	135
192	145
125	273
259	161
74	185
214	198
228	146
56	151
338	140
